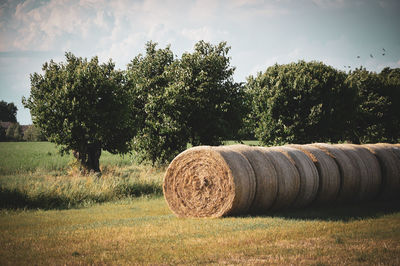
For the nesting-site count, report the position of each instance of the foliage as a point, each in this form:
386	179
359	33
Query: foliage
391	82
300	103
160	136
33	133
189	100
210	102
8	112
82	106
369	124
14	132
2	134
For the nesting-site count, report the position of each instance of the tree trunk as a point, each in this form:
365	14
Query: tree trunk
89	160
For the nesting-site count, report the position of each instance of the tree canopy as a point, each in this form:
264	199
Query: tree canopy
377	101
300	103
82	106
8	112
188	100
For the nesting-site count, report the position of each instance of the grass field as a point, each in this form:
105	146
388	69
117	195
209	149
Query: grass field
138	228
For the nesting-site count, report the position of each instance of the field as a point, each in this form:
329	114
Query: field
51	215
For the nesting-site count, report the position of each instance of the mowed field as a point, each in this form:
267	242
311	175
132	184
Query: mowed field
51	215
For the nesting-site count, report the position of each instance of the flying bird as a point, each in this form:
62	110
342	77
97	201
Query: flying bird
358	56
384	49
370	55
383	54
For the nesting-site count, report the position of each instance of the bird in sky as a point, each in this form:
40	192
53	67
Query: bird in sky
358	56
370	55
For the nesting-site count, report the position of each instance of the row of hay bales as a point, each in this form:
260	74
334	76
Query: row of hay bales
210	181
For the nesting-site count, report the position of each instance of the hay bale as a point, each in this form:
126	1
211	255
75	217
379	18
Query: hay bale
288	178
265	174
371	176
209	182
390	169
349	172
328	172
308	173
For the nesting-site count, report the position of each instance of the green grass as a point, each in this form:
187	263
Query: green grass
143	231
35	175
22	157
51	215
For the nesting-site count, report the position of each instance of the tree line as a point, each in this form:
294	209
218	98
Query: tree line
11	130
161	104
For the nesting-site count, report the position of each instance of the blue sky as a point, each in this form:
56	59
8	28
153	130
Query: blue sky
260	32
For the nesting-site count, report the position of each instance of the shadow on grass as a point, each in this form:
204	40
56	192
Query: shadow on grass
16	199
343	212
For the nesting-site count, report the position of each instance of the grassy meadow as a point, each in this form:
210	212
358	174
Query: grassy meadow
50	215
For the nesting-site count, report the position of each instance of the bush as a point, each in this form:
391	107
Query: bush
300	103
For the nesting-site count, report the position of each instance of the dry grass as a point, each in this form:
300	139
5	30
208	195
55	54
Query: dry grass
143	231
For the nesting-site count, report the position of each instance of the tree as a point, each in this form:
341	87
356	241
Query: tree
372	107
8	112
160	136
300	103
391	80
14	132
2	134
82	106
211	104
191	100
33	133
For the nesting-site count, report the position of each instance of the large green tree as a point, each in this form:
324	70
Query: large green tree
8	112
210	103
300	102
189	100
160	136
82	106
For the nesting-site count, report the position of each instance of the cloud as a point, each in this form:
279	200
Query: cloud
205	34
330	3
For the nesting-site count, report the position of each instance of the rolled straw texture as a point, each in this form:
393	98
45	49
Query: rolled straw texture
363	176
265	174
370	184
390	168
308	175
209	182
288	179
349	172
328	172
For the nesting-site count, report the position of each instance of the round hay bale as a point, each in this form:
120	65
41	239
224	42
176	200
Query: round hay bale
308	173
265	174
328	172
371	179
349	172
209	182
390	169
288	178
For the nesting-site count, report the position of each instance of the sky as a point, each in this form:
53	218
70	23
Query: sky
344	34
